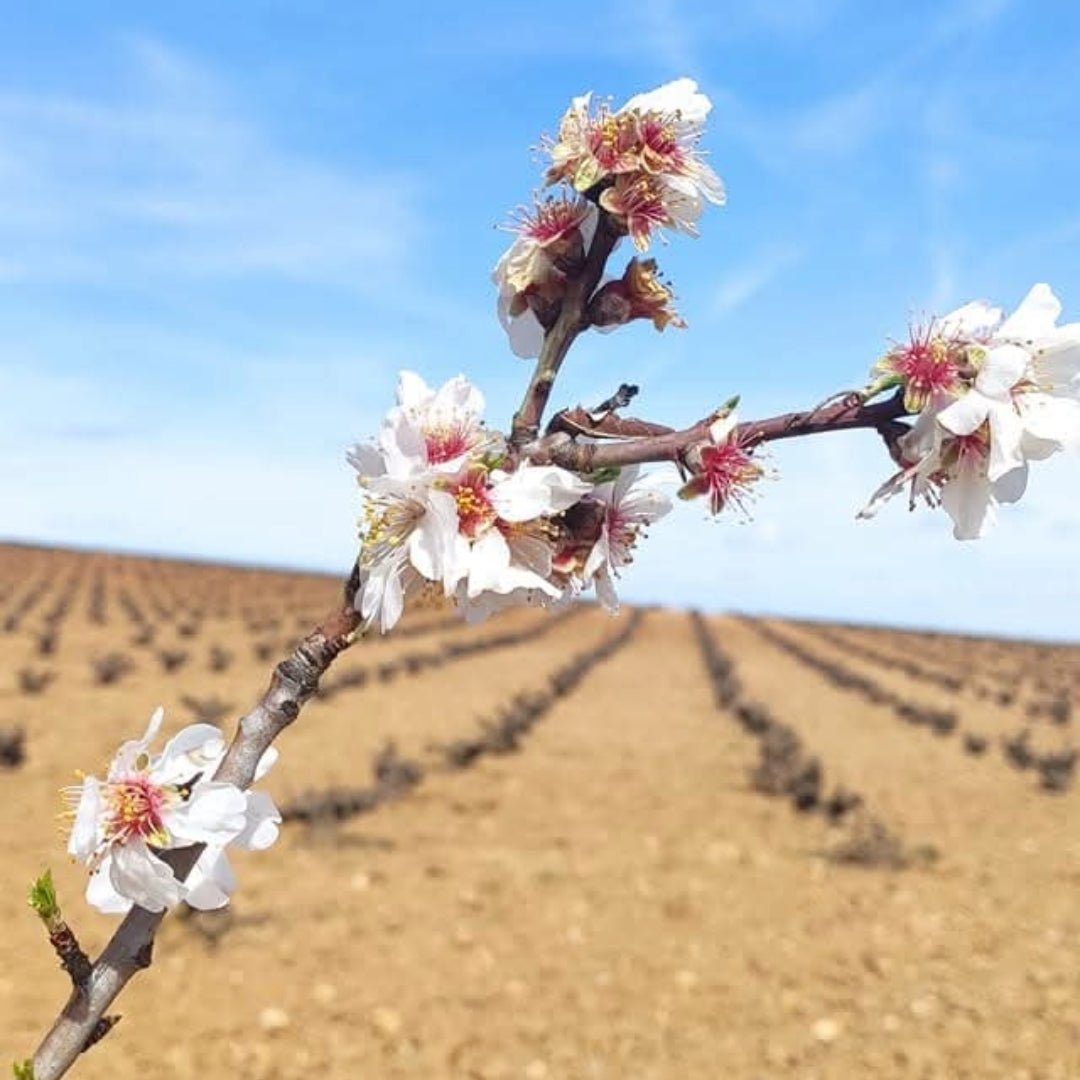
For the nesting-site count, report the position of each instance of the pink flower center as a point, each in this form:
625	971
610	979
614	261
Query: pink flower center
552	220
613	141
976	445
641	203
927	365
727	473
622	536
447	442
963	451
135	810
661	151
475	511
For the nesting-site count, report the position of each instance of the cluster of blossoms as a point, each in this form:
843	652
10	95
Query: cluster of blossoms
991	394
151	803
444	509
642	159
641	165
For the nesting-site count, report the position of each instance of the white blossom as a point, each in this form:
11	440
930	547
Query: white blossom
152	803
631	502
1027	387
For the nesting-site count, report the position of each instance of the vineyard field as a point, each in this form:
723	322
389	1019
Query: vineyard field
563	847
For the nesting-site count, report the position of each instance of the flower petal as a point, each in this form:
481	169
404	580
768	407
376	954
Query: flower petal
211	881
130	752
605	591
535	490
140	876
1006	438
194	749
101	894
680	96
213	814
85	835
1003	367
261	827
973	320
366	459
965	415
1010	487
966	499
412	391
1035	316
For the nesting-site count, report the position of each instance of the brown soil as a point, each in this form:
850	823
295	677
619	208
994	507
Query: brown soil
613	901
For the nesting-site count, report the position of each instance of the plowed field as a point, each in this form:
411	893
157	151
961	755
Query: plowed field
814	851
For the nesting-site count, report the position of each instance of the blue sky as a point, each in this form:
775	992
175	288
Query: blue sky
224	228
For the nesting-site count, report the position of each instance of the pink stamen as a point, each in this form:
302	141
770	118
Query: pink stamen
728	473
136	806
552	220
475	511
447	443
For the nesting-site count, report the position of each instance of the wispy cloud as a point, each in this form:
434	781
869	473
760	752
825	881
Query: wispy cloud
670	37
175	179
744	282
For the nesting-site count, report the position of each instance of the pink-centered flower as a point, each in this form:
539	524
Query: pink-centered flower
630	503
725	470
950	471
993	394
1026	387
531	275
504	539
432	431
149	803
928	366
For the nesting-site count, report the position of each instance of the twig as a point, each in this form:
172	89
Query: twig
557	341
62	938
850	413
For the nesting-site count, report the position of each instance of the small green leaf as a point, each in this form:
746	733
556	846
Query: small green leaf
493	459
880	385
43	898
604	475
23	1070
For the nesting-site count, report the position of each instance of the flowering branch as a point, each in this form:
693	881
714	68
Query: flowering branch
293	683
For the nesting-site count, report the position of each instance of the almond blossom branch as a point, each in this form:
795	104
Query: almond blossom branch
571	321
293	683
563	448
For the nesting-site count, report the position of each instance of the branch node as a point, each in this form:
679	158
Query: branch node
144	955
101	1029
